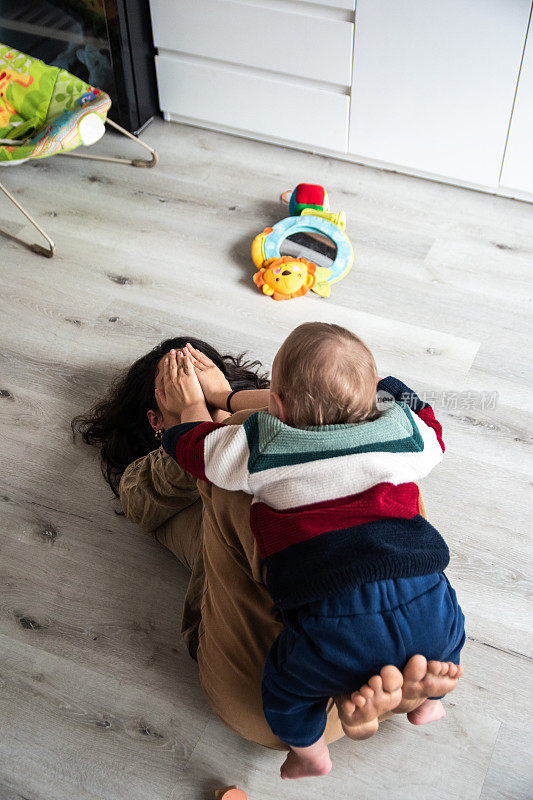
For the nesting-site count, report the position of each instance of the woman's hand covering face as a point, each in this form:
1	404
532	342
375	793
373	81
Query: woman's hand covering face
214	383
167	419
181	387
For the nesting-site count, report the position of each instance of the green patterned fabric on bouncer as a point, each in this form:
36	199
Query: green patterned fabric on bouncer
45	111
46	108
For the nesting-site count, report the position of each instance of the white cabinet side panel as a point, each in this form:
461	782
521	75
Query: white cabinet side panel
434	83
518	163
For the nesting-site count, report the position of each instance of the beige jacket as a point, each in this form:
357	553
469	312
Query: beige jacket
208	529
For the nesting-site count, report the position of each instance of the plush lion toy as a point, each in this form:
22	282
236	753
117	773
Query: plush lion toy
286	277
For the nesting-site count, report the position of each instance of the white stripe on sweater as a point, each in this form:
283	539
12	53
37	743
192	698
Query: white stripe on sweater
226	455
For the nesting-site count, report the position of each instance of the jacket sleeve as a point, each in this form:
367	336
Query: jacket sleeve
401	392
214	452
295	712
154	488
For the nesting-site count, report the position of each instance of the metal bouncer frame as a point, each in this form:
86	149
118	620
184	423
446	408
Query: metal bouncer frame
135	162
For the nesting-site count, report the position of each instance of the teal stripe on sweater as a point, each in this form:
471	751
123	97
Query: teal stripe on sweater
274	444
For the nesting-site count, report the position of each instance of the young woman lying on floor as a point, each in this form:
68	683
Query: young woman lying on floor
229	620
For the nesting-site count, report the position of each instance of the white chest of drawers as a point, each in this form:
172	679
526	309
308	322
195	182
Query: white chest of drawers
279	69
424	87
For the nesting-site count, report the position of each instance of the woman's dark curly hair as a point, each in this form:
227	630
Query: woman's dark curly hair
118	424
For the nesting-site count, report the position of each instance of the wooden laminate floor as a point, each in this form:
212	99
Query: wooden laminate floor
98	696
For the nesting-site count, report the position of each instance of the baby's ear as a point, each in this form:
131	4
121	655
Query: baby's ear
279	409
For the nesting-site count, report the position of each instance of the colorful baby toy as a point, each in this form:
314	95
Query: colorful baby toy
308	195
307	251
286	277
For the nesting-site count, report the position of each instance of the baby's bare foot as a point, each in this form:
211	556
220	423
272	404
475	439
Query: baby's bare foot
296	767
422	680
359	713
429	711
307	762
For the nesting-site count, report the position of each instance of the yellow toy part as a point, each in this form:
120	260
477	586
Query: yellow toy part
337	218
258	248
322	287
286	277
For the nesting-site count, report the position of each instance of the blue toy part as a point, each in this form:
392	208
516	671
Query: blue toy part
292	203
290	225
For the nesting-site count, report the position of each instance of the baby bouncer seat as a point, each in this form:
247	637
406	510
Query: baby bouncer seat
46	111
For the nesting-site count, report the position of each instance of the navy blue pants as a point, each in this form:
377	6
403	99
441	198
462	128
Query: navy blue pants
334	646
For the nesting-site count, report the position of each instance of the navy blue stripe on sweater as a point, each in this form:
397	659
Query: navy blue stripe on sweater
340	560
400	391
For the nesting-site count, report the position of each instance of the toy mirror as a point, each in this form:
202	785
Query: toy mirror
312	245
311	237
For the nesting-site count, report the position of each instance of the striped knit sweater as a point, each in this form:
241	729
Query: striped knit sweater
333	506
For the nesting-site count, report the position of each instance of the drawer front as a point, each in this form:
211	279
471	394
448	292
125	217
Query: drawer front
438	97
271	107
304	44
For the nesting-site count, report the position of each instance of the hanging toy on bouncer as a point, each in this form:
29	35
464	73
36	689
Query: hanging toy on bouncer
307	251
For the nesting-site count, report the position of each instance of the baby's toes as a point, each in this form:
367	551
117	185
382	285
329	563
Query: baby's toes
375	683
347	708
392	679
358	700
366	692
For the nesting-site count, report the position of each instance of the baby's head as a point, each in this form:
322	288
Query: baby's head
323	375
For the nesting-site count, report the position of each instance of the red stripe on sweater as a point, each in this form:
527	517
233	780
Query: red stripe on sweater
190	449
427	416
276	530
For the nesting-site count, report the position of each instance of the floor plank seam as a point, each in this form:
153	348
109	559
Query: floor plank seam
500	649
82	517
186	764
490	760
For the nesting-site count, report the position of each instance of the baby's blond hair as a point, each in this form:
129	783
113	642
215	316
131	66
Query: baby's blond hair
325	375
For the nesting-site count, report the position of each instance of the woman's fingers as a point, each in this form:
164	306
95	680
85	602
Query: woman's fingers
166	374
170	374
196	364
173	362
202	360
184	363
193	351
